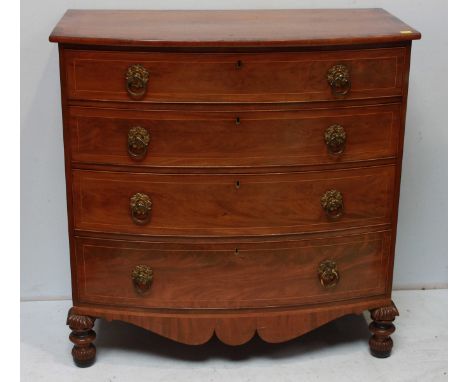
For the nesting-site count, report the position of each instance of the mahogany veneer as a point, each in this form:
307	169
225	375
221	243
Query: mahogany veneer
229	275
288	137
232	172
225	205
240	77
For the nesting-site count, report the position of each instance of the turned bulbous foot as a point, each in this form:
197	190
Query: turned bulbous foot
381	328
82	336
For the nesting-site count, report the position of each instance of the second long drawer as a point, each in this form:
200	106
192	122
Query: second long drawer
211	205
233	139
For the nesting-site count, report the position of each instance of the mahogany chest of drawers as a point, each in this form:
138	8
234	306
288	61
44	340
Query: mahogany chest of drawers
232	172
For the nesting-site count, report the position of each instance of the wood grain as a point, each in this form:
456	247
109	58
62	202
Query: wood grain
82	337
265	77
300	27
230	275
234	328
211	205
287	138
382	327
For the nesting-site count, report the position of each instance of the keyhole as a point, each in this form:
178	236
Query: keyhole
237	184
236	251
238	64
237	120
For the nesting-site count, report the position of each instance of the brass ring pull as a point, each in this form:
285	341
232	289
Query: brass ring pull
140	208
332	203
339	79
142	277
138	141
136	80
335	139
328	274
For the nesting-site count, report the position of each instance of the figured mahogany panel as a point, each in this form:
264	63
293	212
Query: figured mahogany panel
236	139
234	28
239	77
234	327
207	205
231	275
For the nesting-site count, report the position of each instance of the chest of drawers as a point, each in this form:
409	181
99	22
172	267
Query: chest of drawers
232	172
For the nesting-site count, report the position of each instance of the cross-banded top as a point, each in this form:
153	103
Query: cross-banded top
243	28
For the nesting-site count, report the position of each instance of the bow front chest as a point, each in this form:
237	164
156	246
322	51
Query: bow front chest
232	172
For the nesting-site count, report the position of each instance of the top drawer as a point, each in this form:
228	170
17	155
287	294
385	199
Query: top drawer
234	77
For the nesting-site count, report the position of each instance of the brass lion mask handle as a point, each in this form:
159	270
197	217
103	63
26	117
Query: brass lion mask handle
142	277
138	141
332	203
136	80
328	274
335	139
339	79
140	208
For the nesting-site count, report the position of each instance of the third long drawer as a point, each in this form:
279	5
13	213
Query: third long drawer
238	205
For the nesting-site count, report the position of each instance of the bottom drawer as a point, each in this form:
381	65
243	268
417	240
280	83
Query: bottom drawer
231	275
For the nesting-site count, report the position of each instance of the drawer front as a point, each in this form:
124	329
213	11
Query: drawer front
208	205
231	275
240	77
233	139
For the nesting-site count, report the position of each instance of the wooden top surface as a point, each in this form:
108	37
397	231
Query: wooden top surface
244	28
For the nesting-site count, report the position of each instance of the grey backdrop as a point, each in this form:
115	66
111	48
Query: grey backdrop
421	253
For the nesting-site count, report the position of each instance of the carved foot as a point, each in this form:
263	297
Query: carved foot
82	336
381	327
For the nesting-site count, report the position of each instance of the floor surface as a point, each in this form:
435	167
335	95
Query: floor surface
337	351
